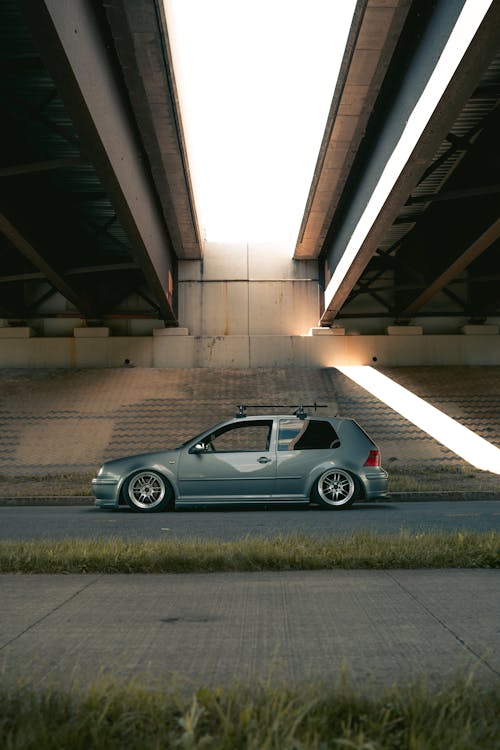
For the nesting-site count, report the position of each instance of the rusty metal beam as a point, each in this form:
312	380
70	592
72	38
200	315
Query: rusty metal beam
474	250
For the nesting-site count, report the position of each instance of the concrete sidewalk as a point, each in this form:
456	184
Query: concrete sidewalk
214	629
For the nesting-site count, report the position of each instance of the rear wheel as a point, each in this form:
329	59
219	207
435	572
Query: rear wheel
148	492
336	489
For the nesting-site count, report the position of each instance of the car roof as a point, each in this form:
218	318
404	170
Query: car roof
280	416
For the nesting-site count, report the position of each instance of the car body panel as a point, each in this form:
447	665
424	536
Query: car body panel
233	473
296	471
200	471
107	485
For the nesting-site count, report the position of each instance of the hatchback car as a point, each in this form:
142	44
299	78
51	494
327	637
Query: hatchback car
298	458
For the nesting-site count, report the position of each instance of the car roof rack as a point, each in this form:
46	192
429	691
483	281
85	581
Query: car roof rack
298	409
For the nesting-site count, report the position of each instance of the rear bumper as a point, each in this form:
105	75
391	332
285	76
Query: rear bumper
375	483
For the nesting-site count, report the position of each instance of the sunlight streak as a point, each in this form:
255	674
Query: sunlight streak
450	433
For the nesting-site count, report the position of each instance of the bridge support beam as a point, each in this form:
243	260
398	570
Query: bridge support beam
446	67
72	38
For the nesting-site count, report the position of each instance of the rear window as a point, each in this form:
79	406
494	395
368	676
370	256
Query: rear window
306	434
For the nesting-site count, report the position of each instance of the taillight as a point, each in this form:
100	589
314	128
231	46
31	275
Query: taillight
373	459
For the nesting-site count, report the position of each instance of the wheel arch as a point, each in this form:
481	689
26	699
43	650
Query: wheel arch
331	465
319	469
167	475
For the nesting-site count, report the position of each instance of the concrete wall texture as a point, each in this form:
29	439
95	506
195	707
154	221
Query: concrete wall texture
248	289
71	420
243	305
172	348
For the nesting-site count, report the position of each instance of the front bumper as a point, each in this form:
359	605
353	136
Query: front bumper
106	492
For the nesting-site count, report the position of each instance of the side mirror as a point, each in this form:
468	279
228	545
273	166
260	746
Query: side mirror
199	448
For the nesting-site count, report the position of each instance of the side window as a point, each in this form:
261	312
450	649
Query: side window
289	430
306	434
244	436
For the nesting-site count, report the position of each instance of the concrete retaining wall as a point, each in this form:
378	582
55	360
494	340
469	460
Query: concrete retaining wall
174	348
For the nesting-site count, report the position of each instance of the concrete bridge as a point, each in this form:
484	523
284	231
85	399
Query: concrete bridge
101	260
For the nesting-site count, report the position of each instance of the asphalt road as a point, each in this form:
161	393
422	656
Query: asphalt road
228	524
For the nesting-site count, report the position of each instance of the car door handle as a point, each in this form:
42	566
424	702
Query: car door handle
263	460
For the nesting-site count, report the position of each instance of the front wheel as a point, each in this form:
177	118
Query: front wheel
148	492
336	489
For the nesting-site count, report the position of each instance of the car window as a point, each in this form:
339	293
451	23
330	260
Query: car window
244	436
306	434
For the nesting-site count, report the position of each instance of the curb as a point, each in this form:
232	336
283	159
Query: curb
443	495
395	497
84	500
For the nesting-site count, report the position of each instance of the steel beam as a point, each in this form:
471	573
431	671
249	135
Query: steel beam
376	202
72	38
37	258
22	277
110	267
474	250
453	195
42	166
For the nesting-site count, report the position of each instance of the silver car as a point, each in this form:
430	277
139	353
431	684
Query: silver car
294	458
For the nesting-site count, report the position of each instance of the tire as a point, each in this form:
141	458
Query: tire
335	489
148	492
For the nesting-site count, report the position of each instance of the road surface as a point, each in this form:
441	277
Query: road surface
230	524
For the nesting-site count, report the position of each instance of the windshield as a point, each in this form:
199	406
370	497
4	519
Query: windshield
186	442
212	432
198	438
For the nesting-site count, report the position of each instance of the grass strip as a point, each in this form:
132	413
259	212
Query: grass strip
460	715
464	549
71	484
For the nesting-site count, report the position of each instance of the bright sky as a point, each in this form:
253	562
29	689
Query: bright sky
255	80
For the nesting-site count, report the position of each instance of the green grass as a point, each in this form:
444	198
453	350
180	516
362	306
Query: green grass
459	477
463	549
459	716
71	484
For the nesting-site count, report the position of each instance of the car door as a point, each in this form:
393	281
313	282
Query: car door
237	461
302	444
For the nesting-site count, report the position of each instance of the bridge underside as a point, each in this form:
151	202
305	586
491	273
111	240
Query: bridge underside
97	205
98	223
431	246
